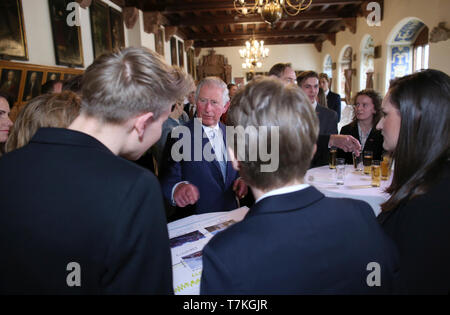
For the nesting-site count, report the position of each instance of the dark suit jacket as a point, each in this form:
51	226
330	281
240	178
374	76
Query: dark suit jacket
421	230
299	243
328	126
215	194
65	197
186	109
374	142
334	103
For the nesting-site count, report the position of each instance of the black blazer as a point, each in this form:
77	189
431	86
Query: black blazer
334	103
299	243
328	126
421	230
374	142
65	197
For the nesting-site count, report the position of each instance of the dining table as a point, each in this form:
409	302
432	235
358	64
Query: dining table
357	185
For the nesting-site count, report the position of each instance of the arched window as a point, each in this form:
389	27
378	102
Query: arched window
367	60
328	66
345	63
408	49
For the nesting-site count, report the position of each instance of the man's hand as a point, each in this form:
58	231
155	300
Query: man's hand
240	188
346	143
186	194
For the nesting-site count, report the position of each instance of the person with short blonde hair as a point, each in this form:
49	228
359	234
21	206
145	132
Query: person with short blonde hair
76	216
48	110
318	245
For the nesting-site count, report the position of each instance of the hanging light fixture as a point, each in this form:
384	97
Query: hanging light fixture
271	10
253	53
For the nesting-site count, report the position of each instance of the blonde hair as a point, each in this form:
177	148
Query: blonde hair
48	110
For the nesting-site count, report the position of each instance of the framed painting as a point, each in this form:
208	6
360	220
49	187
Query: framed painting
33	84
190	62
10	82
180	54
173	51
66	39
53	76
100	28
159	41
117	30
13	43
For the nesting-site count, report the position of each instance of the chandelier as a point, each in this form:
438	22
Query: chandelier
253	53
271	10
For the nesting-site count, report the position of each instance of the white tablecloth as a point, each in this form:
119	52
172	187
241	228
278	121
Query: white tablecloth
357	185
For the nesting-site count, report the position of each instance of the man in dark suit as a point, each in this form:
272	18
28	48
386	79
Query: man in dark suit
308	81
294	240
202	176
333	99
190	107
86	221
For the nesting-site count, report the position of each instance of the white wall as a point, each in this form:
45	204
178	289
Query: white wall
302	57
40	40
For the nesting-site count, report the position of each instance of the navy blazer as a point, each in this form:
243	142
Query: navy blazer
334	103
215	193
300	243
328	126
65	197
374	142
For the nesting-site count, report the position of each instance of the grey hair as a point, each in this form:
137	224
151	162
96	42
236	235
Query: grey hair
130	82
216	81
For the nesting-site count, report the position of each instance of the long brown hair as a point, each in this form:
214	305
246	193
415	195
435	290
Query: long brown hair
423	147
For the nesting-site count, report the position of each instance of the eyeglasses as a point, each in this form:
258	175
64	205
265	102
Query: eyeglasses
204	101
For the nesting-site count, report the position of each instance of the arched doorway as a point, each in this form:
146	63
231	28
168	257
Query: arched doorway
367	63
345	66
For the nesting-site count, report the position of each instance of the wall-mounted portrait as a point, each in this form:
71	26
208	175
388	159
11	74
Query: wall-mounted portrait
10	82
159	42
117	31
33	84
13	42
180	54
52	76
66	39
100	28
173	51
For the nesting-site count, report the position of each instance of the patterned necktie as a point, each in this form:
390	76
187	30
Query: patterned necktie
218	150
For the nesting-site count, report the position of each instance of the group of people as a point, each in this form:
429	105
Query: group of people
78	217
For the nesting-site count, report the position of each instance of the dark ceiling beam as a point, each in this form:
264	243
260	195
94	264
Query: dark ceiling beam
204	5
258	35
256	18
234	43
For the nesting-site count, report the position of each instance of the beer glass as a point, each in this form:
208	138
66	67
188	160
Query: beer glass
367	161
376	173
385	167
357	162
340	171
332	158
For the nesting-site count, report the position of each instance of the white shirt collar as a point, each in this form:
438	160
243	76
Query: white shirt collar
326	92
207	129
314	105
283	190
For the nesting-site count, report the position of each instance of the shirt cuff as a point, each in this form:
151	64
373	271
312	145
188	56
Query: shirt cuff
173	190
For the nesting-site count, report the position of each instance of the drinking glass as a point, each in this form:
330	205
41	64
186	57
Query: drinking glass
332	158
376	173
367	161
340	171
357	160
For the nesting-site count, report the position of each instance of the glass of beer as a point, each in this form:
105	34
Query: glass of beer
385	166
376	173
340	171
332	158
367	162
357	162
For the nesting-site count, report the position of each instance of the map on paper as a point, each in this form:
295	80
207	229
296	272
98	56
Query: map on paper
188	236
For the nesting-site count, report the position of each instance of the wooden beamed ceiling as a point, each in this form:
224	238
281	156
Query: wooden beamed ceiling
215	23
